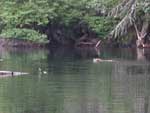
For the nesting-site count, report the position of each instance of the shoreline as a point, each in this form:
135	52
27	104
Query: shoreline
19	43
23	43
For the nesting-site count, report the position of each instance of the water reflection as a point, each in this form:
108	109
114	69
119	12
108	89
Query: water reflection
61	52
143	54
73	84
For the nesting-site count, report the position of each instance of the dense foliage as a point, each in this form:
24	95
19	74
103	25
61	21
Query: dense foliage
15	15
26	34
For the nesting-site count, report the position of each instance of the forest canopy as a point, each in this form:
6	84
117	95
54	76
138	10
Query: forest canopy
19	18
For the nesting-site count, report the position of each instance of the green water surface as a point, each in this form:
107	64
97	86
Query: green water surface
67	81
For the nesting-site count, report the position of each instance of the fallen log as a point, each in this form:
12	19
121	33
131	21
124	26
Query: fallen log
88	43
146	45
11	74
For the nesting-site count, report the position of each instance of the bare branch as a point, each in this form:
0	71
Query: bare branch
137	32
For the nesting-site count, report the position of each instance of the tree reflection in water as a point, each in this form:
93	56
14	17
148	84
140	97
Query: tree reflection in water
74	84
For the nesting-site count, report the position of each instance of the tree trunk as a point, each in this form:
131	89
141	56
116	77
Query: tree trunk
129	13
141	35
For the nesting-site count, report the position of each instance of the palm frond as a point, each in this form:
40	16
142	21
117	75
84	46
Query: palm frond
122	8
123	26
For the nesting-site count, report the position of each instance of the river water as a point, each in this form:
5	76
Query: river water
67	81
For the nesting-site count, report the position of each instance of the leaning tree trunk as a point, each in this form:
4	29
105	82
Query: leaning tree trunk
127	11
141	35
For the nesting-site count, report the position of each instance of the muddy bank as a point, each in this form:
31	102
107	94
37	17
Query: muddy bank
6	42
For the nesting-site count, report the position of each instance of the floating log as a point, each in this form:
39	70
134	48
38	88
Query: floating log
11	74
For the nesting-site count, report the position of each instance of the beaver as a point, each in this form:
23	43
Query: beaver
97	60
